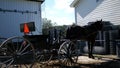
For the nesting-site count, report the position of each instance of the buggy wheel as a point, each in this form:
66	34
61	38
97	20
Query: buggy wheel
16	52
44	56
15	66
68	53
42	59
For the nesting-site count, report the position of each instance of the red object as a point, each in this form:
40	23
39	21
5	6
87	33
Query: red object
26	28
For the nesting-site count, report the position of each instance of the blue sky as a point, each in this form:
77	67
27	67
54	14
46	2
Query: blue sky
58	11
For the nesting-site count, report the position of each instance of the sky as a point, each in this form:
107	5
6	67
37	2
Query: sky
58	11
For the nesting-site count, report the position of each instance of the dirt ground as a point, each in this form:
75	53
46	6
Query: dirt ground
108	61
100	61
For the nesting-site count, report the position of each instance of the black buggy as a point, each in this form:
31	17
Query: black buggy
33	51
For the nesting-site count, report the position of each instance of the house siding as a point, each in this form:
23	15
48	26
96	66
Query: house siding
10	21
107	10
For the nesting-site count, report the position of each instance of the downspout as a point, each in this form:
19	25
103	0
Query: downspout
39	6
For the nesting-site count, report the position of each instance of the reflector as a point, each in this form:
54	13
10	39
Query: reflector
26	28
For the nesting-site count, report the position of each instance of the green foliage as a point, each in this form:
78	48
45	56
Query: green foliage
46	23
63	29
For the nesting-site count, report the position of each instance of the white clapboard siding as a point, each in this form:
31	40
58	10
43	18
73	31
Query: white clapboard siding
10	21
108	10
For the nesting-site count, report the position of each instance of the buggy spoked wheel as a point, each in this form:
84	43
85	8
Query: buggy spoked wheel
44	56
16	52
68	53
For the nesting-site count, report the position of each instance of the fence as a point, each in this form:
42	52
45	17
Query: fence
105	42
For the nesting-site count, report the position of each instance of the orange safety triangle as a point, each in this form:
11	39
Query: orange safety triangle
26	28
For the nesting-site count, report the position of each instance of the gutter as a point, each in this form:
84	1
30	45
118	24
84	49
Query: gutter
74	3
37	0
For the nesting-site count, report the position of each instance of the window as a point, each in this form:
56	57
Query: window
97	0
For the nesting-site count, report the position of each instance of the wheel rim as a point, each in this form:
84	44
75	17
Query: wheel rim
68	53
15	50
44	56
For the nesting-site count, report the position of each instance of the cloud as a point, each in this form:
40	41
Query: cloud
60	12
63	5
62	20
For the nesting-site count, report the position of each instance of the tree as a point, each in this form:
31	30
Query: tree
46	23
63	29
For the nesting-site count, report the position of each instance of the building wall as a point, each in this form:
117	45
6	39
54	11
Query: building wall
107	10
10	20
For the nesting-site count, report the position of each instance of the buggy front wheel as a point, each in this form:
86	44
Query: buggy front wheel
68	53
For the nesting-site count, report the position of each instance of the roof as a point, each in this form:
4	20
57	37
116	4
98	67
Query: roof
74	3
37	0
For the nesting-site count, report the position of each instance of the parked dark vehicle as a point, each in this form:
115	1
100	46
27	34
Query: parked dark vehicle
31	49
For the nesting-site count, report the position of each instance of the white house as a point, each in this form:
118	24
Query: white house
92	10
15	12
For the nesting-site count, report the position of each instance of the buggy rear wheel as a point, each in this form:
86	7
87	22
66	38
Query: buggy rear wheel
16	51
44	56
68	53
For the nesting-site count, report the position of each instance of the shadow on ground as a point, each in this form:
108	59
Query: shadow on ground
108	64
87	63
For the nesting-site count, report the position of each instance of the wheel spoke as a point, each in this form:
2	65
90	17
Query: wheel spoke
12	50
68	53
13	46
10	63
63	48
4	56
7	60
17	46
25	48
21	46
24	53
